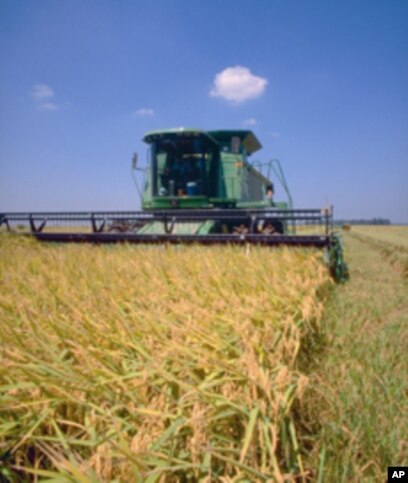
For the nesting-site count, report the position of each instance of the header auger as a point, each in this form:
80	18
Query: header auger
199	187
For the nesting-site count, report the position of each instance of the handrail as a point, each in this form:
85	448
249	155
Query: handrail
277	169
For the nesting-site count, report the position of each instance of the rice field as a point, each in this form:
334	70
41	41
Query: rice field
155	363
356	403
393	235
391	242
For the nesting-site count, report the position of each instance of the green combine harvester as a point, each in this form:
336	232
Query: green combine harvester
199	187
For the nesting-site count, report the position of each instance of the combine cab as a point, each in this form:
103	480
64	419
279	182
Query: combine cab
199	187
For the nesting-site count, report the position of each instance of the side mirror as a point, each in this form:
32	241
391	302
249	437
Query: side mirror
134	161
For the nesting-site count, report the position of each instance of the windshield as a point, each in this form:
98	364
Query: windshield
182	167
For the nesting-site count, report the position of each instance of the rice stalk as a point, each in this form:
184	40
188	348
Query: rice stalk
155	364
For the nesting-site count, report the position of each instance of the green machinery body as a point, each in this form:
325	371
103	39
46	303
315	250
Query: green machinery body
217	174
222	176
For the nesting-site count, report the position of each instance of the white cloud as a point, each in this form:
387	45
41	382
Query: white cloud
249	122
237	84
47	106
145	112
43	96
275	135
42	91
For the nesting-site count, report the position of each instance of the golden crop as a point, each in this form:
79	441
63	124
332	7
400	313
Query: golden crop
153	363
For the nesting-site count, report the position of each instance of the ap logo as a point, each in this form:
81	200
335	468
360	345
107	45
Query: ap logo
397	473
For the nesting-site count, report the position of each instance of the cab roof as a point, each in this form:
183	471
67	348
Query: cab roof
175	133
248	138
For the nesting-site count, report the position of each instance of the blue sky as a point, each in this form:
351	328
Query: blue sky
323	84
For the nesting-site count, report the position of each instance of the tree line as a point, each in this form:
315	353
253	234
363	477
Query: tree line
371	221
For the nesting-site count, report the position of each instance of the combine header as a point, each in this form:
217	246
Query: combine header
199	187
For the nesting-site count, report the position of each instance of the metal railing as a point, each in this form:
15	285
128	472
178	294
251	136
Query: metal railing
304	222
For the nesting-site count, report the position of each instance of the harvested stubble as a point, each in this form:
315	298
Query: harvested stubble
153	364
